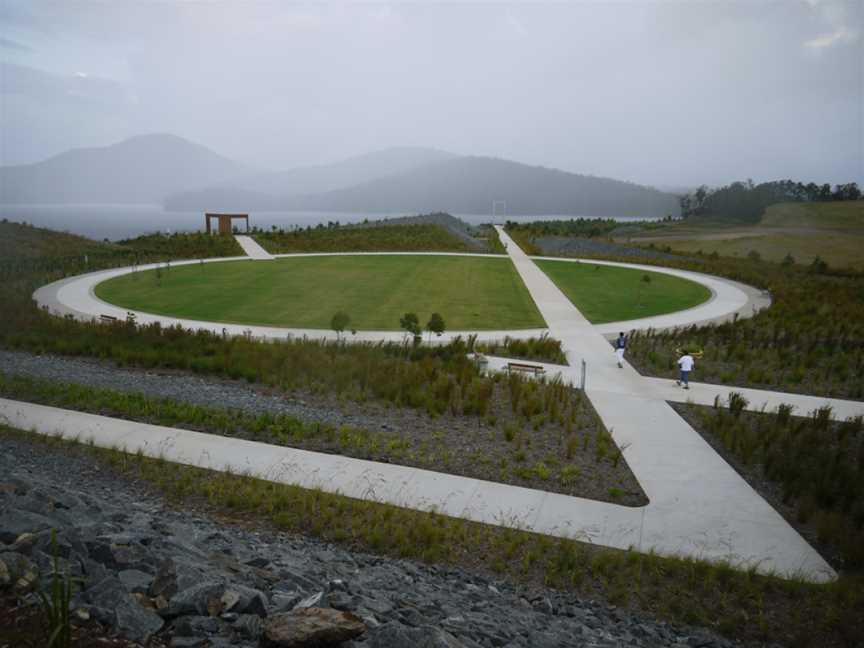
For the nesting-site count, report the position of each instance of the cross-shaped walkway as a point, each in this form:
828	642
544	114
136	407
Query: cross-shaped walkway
698	504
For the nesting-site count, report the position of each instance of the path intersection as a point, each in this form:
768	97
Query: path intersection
699	506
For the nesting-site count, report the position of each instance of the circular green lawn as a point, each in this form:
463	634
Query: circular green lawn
471	293
611	294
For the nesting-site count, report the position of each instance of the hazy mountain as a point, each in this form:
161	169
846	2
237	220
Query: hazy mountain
142	169
169	169
470	184
261	190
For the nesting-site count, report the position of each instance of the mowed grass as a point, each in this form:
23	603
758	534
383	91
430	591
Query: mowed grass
833	231
471	293
838	250
609	294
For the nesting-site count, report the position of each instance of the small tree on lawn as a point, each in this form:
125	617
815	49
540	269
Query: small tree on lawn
436	325
339	323
410	323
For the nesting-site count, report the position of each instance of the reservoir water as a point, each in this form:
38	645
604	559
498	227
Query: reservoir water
115	222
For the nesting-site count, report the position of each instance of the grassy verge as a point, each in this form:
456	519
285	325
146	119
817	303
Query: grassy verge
380	238
811	467
573	455
831	231
811	339
737	604
471	293
493	241
610	294
542	349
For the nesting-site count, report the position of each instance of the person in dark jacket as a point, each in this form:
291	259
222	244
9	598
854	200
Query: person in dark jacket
620	345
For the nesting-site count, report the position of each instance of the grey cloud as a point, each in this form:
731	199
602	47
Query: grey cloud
13	45
653	92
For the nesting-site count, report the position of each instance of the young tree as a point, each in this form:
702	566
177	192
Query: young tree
339	323
410	323
435	325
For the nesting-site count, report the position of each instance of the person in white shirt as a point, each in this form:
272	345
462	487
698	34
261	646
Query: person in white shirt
685	364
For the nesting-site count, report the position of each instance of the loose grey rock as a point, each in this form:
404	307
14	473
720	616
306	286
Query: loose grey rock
311	627
196	626
249	626
395	635
14	523
165	581
244	600
310	601
199	599
134	580
199	568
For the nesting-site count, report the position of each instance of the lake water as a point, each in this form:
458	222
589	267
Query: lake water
114	222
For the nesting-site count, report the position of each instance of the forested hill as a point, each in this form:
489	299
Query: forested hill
470	184
746	201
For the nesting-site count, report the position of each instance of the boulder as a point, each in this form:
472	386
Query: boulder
113	605
135	580
165	582
14	523
196	626
249	626
244	600
118	556
135	622
310	601
203	598
310	627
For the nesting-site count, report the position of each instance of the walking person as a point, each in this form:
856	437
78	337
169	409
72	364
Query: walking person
620	345
685	365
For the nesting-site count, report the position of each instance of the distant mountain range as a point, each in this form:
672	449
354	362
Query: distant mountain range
187	177
143	169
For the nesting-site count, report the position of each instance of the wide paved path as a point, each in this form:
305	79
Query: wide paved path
699	505
252	249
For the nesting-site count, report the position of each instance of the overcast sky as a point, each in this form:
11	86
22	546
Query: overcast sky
664	93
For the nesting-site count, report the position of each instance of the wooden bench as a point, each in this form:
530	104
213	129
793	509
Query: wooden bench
519	366
107	319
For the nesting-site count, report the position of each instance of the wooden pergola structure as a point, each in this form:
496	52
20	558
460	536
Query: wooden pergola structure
225	222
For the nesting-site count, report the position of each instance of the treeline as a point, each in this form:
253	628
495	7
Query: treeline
746	201
573	227
578	227
189	245
339	238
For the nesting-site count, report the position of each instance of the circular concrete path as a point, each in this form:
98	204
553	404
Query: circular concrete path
75	296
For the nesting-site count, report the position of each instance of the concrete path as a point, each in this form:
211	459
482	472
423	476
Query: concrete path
757	399
252	249
699	393
75	296
645	529
699	505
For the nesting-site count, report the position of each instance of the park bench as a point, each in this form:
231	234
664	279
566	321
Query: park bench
107	319
520	366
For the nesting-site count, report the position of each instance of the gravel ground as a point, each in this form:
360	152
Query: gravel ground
181	576
577	246
460	445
